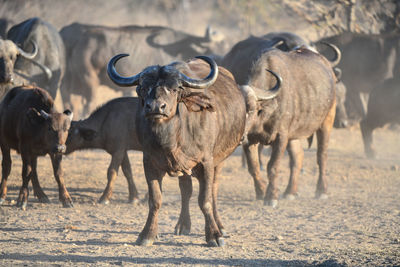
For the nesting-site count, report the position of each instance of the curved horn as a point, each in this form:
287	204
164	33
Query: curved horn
117	78
338	54
207	81
29	55
44	114
45	69
338	73
273	92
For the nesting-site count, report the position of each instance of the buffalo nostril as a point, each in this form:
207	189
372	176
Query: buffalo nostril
163	106
148	107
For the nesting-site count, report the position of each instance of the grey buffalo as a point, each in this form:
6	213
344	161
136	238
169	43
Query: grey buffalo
367	60
383	108
47	67
303	105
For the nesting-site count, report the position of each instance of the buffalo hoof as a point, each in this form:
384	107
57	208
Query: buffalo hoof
290	196
104	201
220	242
22	204
321	196
223	232
182	230
2	201
144	242
134	201
44	199
68	204
370	154
272	203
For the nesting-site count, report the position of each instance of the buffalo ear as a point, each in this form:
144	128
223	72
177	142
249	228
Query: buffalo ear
196	101
87	134
34	116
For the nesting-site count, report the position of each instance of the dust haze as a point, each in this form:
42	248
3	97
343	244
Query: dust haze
358	225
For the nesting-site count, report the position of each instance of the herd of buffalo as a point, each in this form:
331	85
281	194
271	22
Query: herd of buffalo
190	115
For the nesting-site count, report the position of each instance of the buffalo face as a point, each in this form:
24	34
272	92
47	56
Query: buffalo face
161	88
8	55
56	127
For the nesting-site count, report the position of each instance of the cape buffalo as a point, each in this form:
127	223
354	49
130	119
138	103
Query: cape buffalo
304	104
187	125
46	69
383	108
30	125
111	127
89	46
8	54
367	60
241	59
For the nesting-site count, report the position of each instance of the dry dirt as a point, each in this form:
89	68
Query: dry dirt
357	226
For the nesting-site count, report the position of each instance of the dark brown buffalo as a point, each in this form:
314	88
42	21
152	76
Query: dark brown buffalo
383	108
88	48
111	127
367	60
30	125
46	69
187	126
304	104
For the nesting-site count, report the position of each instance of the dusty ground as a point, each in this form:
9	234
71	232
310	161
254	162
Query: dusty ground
358	225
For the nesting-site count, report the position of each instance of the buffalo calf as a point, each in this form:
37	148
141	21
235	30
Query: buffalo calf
30	125
111	127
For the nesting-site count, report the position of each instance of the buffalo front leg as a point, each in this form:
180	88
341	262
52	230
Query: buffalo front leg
217	218
154	183
278	149
322	153
126	169
206	180
296	154
253	165
5	172
64	196
366	131
22	200
184	223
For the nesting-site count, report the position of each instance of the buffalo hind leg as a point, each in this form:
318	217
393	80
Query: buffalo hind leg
126	169
37	189
278	150
184	223
154	182
296	154
322	152
253	165
5	172
112	172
